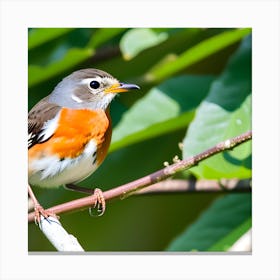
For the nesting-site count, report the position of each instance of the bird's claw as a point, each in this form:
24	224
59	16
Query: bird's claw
99	204
39	210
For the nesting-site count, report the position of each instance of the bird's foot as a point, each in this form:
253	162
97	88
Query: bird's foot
99	204
40	211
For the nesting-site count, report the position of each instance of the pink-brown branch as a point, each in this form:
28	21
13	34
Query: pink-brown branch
131	187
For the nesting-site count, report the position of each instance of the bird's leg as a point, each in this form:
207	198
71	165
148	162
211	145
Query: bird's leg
76	188
99	204
38	209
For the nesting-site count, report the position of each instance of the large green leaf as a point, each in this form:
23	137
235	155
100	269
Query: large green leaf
165	108
219	227
138	39
38	74
196	53
226	242
40	36
225	113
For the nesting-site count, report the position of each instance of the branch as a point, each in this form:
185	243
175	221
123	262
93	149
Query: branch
179	185
58	236
128	189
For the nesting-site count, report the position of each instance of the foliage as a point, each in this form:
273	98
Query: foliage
196	89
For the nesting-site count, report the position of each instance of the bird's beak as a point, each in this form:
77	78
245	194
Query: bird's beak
121	87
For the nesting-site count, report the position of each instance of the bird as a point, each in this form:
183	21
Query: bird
69	132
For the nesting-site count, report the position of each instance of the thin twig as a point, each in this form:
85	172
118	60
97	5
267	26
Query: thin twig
128	189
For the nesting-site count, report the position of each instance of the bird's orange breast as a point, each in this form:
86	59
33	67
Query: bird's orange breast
75	128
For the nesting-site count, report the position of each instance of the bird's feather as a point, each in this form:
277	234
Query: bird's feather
41	114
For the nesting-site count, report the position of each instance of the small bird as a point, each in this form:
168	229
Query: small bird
69	131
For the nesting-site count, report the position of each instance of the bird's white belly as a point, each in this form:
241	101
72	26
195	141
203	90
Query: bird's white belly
52	172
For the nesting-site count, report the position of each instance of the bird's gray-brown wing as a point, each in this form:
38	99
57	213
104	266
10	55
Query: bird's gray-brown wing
41	113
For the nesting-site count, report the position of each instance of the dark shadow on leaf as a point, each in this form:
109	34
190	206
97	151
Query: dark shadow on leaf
246	162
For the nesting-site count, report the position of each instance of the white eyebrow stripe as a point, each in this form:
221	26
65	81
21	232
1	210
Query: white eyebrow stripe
88	80
104	80
76	98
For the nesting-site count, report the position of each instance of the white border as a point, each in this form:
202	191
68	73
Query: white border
17	16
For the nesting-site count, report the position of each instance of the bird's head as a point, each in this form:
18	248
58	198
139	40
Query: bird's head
88	88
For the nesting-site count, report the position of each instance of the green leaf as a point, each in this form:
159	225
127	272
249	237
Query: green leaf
38	74
225	113
196	53
154	130
165	108
219	227
103	35
225	243
40	36
136	40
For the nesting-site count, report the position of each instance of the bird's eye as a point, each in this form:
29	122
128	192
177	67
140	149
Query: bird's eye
94	84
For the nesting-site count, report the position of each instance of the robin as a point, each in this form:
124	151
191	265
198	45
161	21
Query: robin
69	132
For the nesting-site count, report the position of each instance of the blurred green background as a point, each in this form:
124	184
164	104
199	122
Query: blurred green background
196	90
